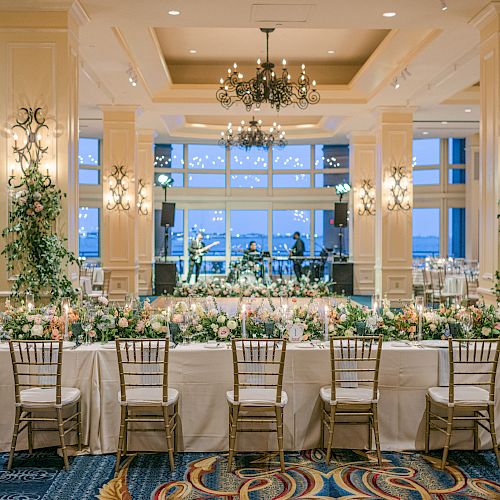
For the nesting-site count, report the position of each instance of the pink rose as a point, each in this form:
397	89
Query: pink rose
92	333
140	326
177	318
123	323
55	334
38	206
223	332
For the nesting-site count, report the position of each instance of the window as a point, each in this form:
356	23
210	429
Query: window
88	152
212	223
248	181
169	156
88	232
175	235
456	232
252	159
426	153
331	156
88	176
425	232
291	181
206	157
247	226
207	180
285	223
456	157
297	157
326	235
330	180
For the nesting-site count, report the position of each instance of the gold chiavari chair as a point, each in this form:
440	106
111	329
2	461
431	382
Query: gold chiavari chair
355	363
472	372
37	366
258	395
143	367
472	296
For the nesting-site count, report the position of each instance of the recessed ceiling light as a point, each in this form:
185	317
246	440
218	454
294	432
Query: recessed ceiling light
468	110
425	133
444	123
331	52
389	14
193	51
174	12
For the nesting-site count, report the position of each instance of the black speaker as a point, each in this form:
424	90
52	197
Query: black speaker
167	214
340	215
165	277
341	273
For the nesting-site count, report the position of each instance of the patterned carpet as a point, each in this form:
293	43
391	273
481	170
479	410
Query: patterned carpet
351	475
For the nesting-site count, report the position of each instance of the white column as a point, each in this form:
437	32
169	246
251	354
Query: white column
472	198
393	228
362	160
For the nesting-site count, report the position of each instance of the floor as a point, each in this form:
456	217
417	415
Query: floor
351	474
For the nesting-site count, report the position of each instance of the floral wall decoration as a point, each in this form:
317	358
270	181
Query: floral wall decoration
35	254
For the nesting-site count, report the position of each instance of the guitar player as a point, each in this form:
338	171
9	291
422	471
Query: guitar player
195	257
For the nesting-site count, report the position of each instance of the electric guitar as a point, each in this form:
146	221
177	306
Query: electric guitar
196	255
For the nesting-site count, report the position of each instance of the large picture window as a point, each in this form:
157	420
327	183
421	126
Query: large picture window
425	232
247	226
285	223
88	232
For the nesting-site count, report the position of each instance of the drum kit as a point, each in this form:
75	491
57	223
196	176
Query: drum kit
245	272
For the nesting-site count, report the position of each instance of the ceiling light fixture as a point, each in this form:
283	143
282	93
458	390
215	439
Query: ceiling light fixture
444	5
425	133
331	52
267	86
251	135
193	51
389	14
174	12
444	123
395	83
132	76
468	110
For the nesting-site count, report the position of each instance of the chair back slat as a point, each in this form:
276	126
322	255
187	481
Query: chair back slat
143	363
473	362
355	359
258	364
36	364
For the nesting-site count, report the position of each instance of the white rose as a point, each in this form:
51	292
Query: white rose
389	315
156	326
214	327
26	328
36	330
343	318
231	324
102	300
432	327
199	328
349	332
221	319
485	331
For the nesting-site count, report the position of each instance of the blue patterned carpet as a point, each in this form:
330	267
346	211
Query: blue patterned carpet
351	474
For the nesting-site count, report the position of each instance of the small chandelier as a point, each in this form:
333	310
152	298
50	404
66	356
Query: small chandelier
267	86
252	135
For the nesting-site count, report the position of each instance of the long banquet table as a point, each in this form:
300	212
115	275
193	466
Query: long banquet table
203	376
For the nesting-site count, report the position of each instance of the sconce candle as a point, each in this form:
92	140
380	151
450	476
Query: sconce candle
30	301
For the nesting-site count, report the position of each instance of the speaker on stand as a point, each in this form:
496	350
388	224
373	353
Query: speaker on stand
340	221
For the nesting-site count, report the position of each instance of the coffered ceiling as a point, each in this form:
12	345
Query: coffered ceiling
348	46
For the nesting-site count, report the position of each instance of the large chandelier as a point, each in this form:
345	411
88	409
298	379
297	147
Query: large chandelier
251	135
267	86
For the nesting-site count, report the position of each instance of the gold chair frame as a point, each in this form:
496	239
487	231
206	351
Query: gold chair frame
268	353
133	352
470	352
359	350
37	353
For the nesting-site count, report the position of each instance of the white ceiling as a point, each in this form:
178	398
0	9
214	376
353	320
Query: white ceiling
440	50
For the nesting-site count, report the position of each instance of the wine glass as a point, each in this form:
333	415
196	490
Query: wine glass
467	324
184	325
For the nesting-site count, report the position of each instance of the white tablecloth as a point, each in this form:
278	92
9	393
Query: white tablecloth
203	376
455	285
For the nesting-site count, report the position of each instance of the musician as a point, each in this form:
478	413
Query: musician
297	250
252	259
195	256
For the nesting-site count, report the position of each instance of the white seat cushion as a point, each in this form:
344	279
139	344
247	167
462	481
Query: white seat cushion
257	397
348	395
39	397
466	395
148	396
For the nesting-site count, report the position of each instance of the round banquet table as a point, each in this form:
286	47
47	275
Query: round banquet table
203	376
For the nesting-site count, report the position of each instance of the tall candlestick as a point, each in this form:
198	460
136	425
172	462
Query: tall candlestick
244	321
419	302
65	303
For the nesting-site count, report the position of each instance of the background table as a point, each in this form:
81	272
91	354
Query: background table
203	376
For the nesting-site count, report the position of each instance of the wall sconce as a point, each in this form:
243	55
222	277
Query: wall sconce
118	187
398	187
367	197
141	198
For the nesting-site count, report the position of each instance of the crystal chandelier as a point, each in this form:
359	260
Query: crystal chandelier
251	135
267	86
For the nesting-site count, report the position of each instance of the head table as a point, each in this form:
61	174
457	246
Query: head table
203	375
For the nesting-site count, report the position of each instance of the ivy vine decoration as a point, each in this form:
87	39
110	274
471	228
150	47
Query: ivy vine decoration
35	253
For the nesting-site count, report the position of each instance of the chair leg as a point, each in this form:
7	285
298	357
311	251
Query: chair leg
176	430
279	432
370	428
79	424
476	433
233	429
449	426
60	428
125	435
491	414
30	434
375	431
168	432
14	437
322	429
333	409
120	439
427	423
